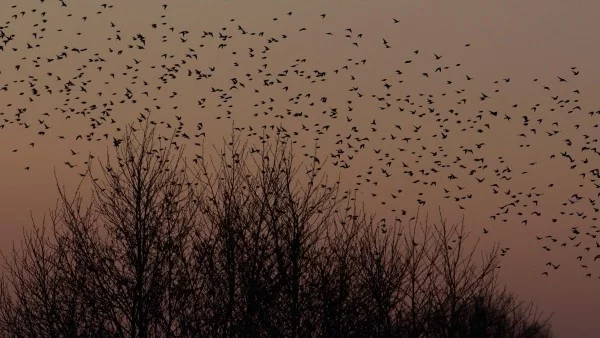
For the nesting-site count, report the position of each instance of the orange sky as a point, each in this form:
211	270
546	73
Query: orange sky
521	41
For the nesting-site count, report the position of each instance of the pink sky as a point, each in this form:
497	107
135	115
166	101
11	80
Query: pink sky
518	40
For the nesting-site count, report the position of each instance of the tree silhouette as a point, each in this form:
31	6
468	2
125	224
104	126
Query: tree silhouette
249	245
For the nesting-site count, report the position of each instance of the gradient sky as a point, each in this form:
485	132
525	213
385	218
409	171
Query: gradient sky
519	40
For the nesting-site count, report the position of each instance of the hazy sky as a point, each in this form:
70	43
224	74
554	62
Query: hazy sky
470	81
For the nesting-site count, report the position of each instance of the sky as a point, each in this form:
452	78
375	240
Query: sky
494	101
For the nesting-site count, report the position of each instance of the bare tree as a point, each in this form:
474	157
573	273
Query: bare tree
121	260
266	235
250	244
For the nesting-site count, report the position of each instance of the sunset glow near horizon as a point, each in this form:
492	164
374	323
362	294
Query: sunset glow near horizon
486	110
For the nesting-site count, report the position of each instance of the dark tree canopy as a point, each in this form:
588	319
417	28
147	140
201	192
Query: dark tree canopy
249	245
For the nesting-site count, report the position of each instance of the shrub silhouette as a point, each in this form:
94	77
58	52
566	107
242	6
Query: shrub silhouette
245	247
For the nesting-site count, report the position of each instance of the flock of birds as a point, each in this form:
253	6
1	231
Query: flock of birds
446	142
